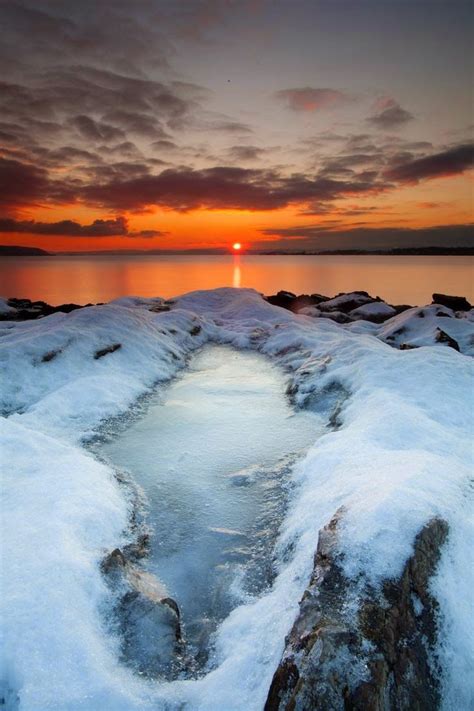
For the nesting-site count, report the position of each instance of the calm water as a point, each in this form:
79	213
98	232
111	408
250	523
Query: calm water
102	278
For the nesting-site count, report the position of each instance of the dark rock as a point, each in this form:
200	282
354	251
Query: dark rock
407	346
157	308
301	301
27	309
109	349
139	549
288	300
337	316
50	355
400	308
67	308
456	303
443	337
319	298
148	619
195	330
353	649
282	298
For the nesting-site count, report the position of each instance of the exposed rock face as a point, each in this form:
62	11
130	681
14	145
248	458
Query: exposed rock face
148	619
25	309
108	349
360	651
442	337
456	303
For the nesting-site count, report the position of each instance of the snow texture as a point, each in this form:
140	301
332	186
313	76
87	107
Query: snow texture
401	455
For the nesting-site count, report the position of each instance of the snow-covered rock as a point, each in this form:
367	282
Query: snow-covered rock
400	457
347	302
422	327
373	311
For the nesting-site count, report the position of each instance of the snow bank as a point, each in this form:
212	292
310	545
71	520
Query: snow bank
401	456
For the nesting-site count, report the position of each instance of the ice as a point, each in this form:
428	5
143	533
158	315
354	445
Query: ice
401	455
189	454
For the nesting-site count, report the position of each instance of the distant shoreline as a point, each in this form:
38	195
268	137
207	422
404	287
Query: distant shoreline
17	251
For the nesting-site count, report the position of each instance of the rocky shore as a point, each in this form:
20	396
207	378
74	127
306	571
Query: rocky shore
399	325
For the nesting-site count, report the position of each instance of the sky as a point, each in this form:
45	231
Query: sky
283	124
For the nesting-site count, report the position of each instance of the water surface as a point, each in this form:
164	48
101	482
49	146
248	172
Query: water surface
94	279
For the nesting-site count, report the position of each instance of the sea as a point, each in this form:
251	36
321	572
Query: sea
101	278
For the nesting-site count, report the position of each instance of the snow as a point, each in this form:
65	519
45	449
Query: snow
342	299
376	308
401	456
419	326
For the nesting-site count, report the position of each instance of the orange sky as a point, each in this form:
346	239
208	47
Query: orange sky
443	201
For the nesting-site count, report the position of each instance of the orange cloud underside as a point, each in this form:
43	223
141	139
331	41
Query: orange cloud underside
442	201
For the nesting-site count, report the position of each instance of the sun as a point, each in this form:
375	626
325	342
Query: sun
236	246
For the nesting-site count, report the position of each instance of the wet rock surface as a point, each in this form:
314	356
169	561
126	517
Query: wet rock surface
147	619
108	349
354	648
457	303
25	309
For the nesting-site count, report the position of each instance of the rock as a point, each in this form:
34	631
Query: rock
282	298
148	619
288	300
27	309
319	298
157	308
442	337
375	311
337	316
108	349
400	308
301	302
348	302
51	355
456	303
407	346
362	651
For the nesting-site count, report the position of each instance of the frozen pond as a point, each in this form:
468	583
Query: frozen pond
213	454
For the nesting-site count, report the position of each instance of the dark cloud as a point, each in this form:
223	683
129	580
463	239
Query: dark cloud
135	123
96	130
109	34
164	145
244	153
221	188
117	227
21	183
228	127
126	149
389	115
317	237
309	99
452	161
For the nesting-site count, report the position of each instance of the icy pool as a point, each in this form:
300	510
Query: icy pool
213	454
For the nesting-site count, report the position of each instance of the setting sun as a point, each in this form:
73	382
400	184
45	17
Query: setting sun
236	246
